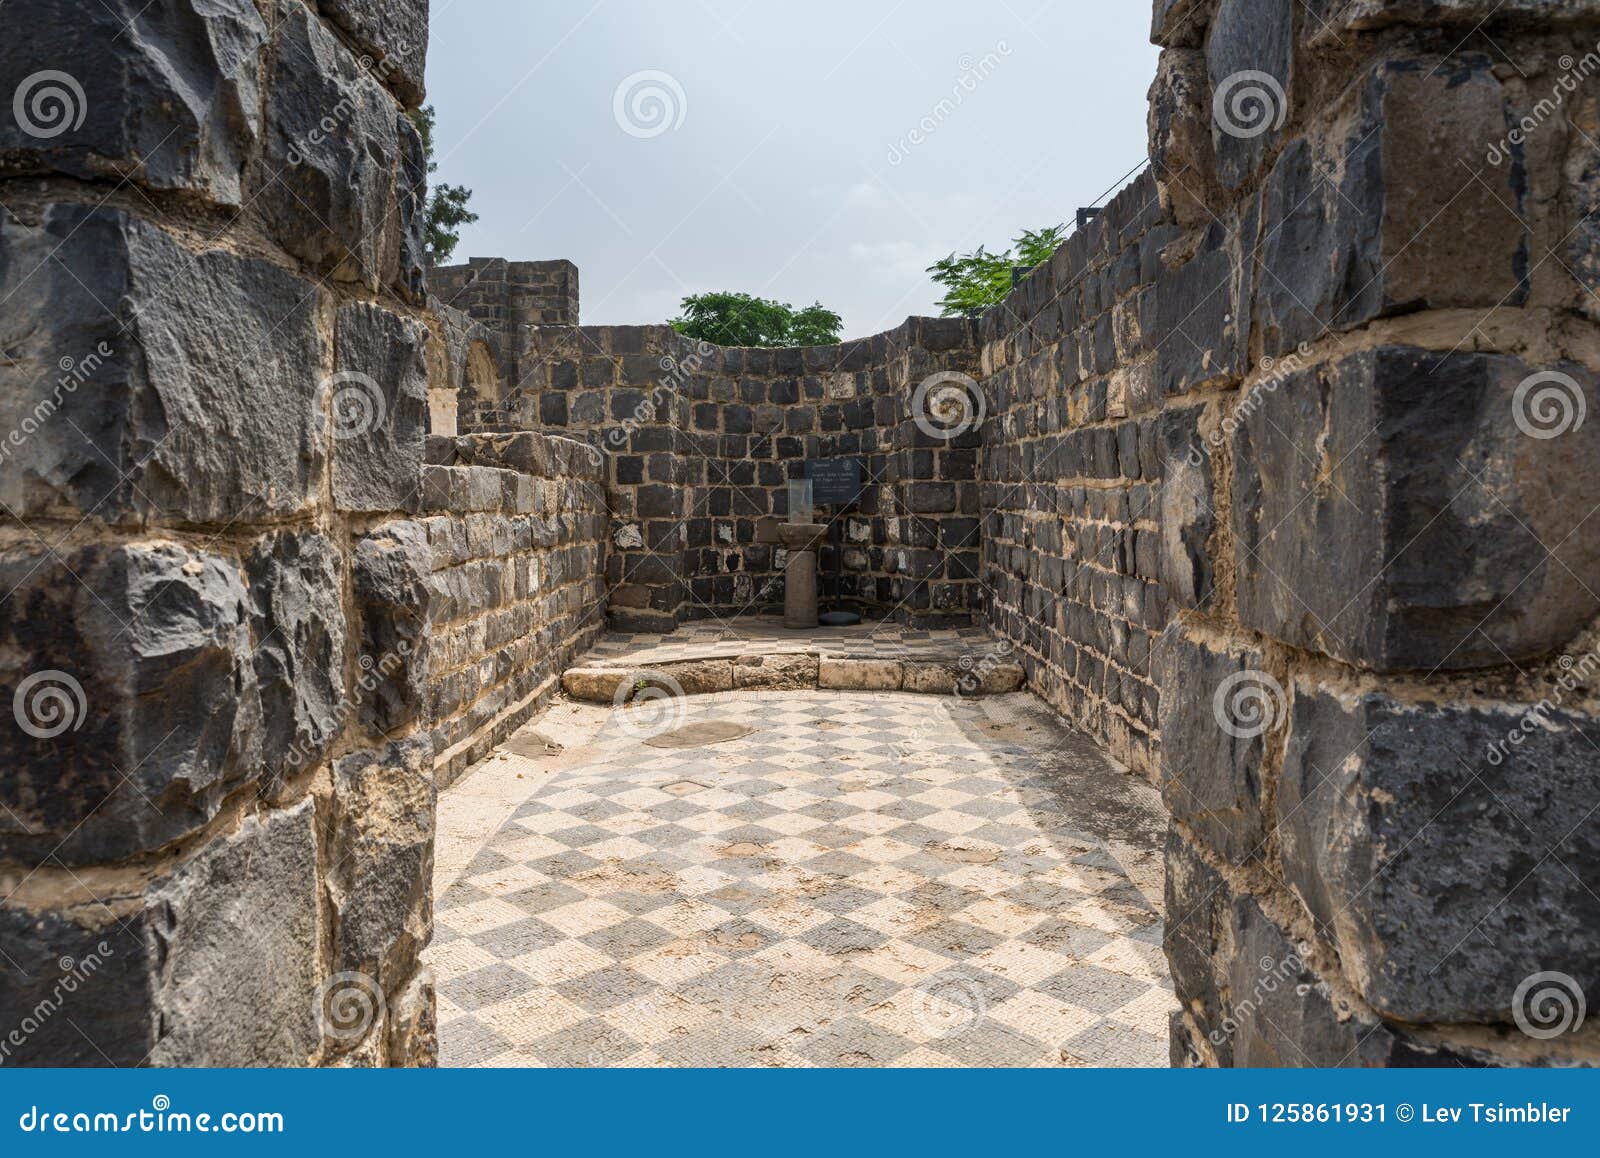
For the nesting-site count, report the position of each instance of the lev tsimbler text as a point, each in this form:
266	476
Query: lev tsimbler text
1379	1113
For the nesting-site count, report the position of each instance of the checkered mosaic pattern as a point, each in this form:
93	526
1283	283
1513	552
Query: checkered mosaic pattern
710	638
864	880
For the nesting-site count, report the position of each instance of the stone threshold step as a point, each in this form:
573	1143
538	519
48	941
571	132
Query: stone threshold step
811	670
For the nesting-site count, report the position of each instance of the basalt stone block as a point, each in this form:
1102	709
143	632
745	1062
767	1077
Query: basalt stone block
1425	528
392	35
1219	712
327	186
1446	851
394	593
166	95
1250	59
378	403
411	193
143	380
129	669
1367	15
74	989
1252	994
381	884
1392	209
1202	310
1176	23
1187	509
296	584
234	937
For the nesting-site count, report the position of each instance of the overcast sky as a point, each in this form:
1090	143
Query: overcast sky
827	150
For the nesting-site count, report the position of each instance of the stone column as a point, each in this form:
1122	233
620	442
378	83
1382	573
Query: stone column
800	572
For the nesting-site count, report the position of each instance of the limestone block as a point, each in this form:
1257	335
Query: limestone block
774	672
859	675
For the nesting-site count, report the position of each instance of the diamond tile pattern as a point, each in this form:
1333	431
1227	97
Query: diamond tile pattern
865	880
711	638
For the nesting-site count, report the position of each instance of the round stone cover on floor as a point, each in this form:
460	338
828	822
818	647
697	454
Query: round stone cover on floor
701	734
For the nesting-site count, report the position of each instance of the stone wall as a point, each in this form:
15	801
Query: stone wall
702	440
1311	394
516	524
216	803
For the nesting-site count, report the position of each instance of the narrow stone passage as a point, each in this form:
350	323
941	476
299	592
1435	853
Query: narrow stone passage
854	879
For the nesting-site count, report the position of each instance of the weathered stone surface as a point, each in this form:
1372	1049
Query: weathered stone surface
1250	59
133	674
774	672
328	185
154	408
1256	1001
596	684
165	95
1421	533
1215	725
411	192
297	599
1180	123
930	677
74	989
1444	860
859	675
414	1024
234	936
381	851
1371	219
1187	508
701	676
378	402
392	35
1202	310
1370	15
394	594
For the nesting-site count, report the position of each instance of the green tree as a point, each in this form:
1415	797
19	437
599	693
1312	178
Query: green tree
975	281
447	204
736	319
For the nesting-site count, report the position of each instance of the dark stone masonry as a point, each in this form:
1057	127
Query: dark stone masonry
1275	480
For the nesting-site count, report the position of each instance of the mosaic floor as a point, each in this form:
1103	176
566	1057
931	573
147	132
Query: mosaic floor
710	639
856	880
